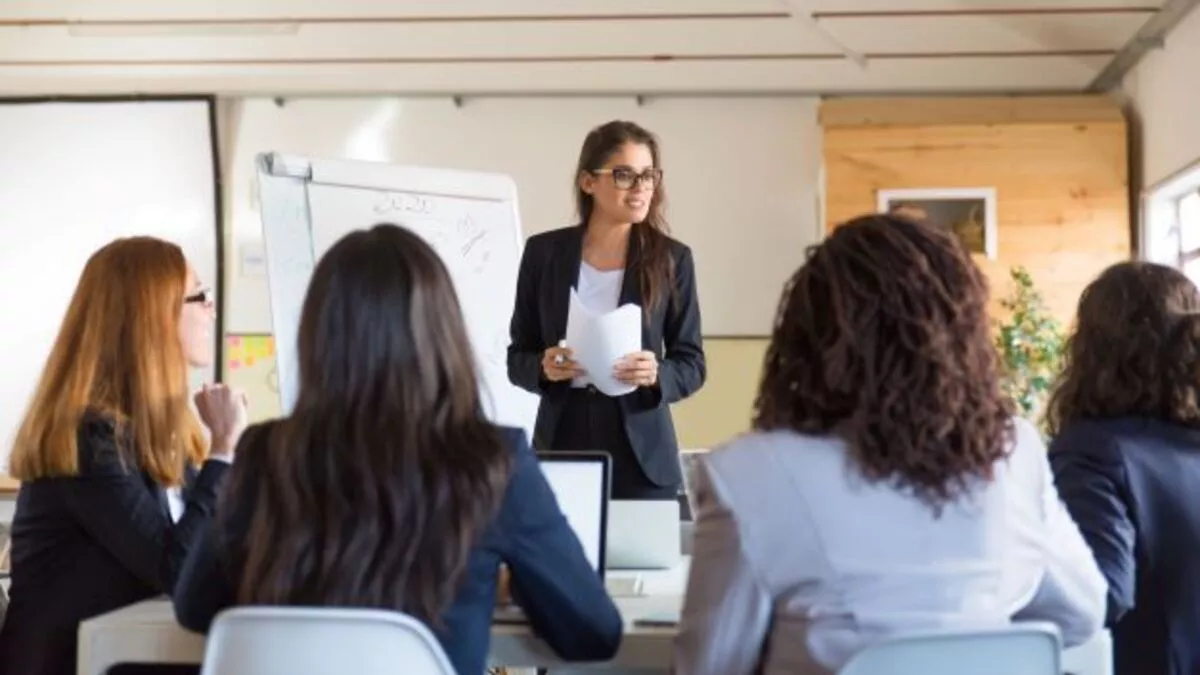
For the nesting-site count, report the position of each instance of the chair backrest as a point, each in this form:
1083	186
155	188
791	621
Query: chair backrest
1032	648
321	641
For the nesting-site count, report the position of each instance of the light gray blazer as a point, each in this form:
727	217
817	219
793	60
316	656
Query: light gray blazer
799	563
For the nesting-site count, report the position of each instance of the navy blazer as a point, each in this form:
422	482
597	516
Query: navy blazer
562	595
1132	485
92	543
549	270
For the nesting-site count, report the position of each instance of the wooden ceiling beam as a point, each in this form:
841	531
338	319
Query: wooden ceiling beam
551	17
415	19
996	11
518	59
1152	35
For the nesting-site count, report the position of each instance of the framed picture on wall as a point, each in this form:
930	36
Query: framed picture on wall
970	213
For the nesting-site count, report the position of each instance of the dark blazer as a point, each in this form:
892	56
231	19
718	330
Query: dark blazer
549	270
563	597
90	544
1133	486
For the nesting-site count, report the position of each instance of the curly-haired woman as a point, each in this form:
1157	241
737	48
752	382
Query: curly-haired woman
1126	458
886	487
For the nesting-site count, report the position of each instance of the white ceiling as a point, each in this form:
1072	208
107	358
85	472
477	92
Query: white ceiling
559	46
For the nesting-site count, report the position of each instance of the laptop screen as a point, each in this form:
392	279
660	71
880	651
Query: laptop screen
580	483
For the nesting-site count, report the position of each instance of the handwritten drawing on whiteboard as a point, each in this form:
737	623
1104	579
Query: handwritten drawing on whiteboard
470	219
404	203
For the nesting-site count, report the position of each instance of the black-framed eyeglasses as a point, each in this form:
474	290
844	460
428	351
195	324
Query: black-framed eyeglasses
626	178
204	296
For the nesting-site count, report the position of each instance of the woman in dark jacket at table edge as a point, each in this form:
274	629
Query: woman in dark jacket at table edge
117	478
1125	415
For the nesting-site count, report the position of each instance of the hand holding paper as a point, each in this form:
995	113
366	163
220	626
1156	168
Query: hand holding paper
600	341
639	369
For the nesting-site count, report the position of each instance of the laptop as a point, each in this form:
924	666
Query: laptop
643	534
580	482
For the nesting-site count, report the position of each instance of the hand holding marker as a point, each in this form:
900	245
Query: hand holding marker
557	364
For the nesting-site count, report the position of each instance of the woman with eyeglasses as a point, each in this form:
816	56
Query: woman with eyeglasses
619	253
117	477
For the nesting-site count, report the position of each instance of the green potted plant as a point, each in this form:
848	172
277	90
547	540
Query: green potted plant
1030	342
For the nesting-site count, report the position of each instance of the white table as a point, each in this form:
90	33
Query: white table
147	633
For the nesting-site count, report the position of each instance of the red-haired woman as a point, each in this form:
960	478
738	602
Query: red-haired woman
117	476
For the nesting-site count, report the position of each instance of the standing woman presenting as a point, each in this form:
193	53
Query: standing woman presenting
618	254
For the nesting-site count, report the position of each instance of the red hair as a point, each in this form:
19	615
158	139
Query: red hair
117	354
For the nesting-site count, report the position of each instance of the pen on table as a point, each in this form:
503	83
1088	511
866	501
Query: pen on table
559	359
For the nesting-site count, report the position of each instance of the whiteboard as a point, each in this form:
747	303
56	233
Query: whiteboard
469	218
742	176
74	176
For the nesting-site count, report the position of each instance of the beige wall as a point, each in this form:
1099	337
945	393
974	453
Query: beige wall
1165	92
1064	213
721	409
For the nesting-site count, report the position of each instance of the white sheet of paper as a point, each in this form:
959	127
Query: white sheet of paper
600	340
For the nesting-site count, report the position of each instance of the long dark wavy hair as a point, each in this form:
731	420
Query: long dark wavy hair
379	483
1135	350
882	338
655	267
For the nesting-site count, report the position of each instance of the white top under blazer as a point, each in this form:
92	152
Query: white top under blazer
799	562
600	292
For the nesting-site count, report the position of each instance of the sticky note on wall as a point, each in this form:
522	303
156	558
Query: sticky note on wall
243	351
250	367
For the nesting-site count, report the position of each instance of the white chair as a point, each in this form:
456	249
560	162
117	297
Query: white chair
1031	648
321	641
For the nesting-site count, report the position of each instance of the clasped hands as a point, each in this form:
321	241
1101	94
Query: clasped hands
639	369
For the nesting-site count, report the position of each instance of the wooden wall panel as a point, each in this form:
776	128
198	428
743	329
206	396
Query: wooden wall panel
917	110
1062	194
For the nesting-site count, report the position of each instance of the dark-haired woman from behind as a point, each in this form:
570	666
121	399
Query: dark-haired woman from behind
886	487
386	486
1126	455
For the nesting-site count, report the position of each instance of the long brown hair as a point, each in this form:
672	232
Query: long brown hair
1135	349
882	338
655	266
381	480
118	354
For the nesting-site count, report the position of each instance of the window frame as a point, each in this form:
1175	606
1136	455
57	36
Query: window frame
1185	255
1161	229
